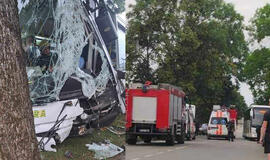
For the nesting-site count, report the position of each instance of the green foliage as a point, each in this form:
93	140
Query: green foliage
256	71
76	145
257	74
261	23
197	44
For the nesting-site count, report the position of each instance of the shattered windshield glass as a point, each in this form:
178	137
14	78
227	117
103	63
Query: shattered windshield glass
63	50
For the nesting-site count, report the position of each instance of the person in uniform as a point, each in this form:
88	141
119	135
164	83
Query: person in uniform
47	60
230	127
258	131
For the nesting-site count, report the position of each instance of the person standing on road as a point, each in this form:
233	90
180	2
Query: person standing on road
258	131
197	126
230	127
265	133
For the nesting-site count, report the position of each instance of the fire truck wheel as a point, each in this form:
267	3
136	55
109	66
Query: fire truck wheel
147	140
180	140
170	140
131	139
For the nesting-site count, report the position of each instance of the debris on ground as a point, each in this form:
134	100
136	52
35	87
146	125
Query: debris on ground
69	154
104	150
115	130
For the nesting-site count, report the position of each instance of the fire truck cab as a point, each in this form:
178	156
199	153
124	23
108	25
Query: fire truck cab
155	111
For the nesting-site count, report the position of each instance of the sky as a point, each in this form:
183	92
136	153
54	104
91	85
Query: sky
247	8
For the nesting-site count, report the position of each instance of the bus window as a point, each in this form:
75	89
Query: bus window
258	116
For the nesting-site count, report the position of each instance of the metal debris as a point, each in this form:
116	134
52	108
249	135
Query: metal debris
104	151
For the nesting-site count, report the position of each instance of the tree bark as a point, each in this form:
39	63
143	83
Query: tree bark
17	134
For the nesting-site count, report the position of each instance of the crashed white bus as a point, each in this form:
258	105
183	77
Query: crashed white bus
253	118
72	82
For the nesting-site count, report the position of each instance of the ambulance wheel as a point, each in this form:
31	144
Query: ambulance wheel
131	139
170	140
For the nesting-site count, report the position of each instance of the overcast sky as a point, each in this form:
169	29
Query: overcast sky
247	8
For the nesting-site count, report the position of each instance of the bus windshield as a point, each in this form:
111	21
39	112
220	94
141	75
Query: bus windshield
258	116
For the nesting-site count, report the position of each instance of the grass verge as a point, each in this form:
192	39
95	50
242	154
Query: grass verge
76	145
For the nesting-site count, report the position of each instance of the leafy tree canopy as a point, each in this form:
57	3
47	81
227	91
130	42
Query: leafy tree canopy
261	23
257	75
256	71
195	44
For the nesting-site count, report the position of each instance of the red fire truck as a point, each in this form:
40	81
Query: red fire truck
155	111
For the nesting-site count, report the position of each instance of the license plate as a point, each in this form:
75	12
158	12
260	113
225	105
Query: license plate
144	130
39	113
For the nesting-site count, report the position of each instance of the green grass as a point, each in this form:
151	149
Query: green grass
76	145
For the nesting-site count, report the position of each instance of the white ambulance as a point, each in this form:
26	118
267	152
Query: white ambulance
217	122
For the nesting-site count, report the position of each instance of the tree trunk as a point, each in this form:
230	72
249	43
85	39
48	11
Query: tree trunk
17	135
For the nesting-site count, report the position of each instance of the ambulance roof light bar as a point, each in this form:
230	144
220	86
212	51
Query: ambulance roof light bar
216	107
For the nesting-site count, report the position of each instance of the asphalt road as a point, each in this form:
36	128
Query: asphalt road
199	149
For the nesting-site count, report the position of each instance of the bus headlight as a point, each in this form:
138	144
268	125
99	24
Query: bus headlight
253	132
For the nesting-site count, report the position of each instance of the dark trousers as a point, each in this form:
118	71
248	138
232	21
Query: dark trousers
258	131
230	136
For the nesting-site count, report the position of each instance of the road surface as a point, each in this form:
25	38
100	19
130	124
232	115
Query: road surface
199	149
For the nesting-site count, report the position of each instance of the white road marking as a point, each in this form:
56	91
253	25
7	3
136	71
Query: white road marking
169	150
159	153
149	155
135	158
181	147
